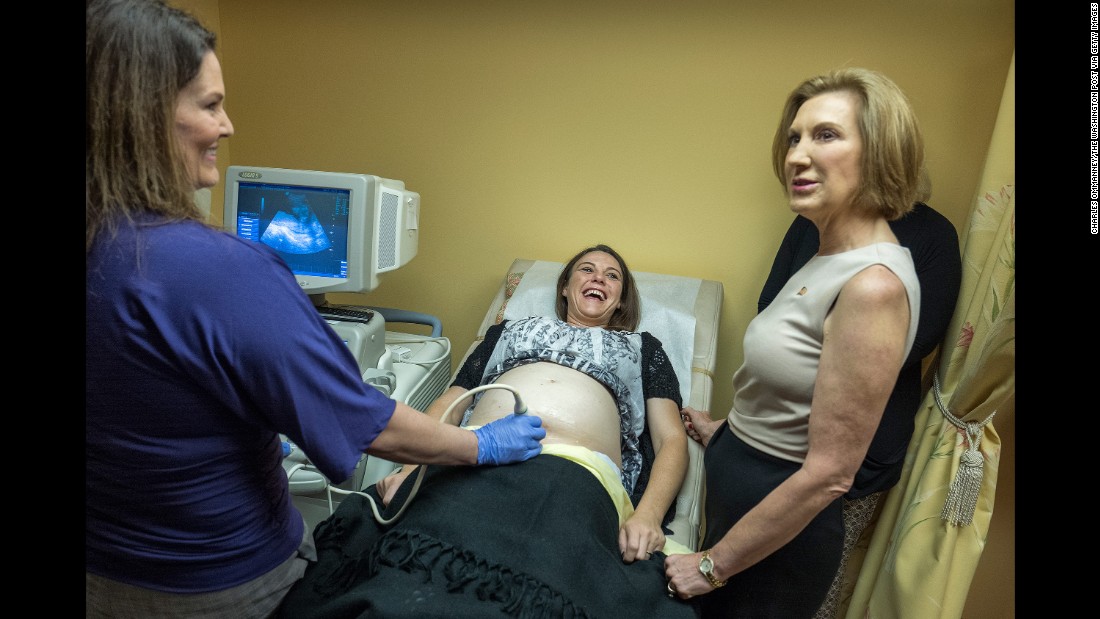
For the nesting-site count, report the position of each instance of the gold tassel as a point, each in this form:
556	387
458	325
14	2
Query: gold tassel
962	495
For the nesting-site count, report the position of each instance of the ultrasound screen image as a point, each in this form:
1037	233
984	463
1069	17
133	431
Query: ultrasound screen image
308	226
300	233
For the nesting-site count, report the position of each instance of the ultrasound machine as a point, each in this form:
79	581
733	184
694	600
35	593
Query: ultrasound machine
337	232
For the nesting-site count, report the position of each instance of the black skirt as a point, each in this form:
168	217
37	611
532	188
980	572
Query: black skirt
792	582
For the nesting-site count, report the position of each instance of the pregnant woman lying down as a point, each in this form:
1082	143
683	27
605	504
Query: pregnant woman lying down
575	531
594	382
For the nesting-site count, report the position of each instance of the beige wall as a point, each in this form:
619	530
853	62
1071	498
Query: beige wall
533	129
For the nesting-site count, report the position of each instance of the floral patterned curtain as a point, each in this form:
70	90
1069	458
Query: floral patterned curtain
925	547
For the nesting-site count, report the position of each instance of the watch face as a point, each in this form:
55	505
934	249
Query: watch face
705	564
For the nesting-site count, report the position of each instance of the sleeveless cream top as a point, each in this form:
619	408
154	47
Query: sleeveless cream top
774	386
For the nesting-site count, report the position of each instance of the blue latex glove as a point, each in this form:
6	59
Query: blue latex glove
509	439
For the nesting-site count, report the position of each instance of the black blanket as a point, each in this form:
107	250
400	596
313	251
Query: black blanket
533	540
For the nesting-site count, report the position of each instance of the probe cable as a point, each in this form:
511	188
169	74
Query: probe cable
520	408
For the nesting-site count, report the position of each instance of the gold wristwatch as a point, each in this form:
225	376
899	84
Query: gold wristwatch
706	566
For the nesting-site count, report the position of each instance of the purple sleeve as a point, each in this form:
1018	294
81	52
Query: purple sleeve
277	363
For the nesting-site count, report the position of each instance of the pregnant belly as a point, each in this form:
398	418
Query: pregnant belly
575	408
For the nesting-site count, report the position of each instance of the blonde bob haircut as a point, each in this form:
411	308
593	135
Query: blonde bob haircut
892	170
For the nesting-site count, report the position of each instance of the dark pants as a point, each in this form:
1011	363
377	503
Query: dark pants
791	582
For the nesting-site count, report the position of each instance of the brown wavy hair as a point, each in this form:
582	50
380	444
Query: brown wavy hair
139	54
629	313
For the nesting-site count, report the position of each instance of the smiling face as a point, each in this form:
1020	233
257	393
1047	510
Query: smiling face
824	154
594	290
201	121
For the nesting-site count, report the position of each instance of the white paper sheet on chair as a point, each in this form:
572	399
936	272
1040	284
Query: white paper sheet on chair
668	310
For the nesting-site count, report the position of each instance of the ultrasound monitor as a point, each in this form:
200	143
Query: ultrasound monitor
337	231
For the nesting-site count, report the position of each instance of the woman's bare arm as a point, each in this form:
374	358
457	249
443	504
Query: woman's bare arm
387	486
413	436
642	532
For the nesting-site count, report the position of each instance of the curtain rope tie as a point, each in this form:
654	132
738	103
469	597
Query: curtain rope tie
962	495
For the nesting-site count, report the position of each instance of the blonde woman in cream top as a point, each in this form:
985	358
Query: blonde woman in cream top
820	361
